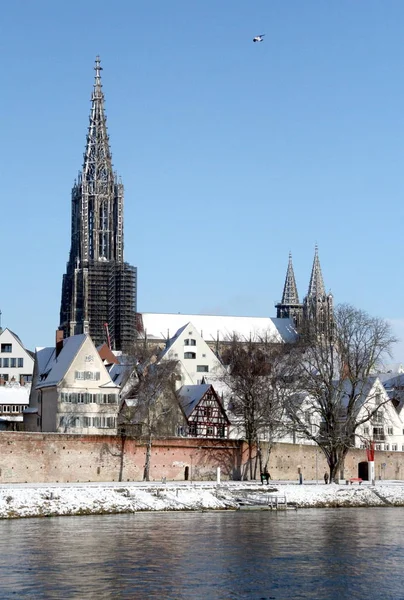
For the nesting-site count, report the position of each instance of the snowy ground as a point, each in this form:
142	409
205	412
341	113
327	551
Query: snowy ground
24	500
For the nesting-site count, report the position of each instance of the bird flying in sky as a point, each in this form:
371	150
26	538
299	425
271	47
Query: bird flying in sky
259	38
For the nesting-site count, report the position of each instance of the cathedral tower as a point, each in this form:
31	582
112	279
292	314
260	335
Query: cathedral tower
318	306
98	288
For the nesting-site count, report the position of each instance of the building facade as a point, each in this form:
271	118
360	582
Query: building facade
72	390
99	288
16	363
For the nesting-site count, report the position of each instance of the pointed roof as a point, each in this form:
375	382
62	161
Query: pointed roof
290	295
97	156
316	285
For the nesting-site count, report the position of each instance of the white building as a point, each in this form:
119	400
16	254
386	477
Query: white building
72	391
193	355
16	363
14	399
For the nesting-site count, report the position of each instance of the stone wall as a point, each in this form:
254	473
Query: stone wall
52	457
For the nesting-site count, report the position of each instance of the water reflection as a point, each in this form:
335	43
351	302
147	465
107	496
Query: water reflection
318	554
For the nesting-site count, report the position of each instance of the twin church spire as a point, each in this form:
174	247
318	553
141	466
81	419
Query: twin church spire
316	305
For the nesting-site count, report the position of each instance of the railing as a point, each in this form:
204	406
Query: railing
275	501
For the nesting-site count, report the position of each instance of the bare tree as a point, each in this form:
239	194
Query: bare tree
254	375
151	407
330	379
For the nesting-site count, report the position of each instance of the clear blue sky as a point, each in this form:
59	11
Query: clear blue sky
232	153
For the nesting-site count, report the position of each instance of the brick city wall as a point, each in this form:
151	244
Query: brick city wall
50	457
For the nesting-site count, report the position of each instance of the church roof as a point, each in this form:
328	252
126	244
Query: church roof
217	327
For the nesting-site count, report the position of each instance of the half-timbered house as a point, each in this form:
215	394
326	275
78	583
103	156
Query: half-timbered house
203	411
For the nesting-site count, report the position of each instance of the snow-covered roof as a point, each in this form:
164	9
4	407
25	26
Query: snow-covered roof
14	394
190	395
211	327
52	369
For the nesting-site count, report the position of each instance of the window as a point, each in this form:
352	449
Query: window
378	417
26	378
209	430
6	348
202	369
189	355
189	342
20	363
88	375
4	377
192	429
186	342
203	355
387	447
86	421
390	430
5	363
220	431
366	430
6	409
394	447
378	446
13	363
207	411
378	433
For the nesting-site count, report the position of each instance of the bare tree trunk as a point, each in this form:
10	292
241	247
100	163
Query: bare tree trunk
146	473
122	456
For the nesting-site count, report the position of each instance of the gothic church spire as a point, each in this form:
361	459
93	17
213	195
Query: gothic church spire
290	295
316	285
97	156
289	307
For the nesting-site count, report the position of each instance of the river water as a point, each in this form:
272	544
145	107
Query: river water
318	554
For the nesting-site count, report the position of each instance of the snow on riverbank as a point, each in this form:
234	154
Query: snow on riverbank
25	501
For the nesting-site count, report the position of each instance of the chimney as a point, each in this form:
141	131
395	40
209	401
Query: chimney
59	341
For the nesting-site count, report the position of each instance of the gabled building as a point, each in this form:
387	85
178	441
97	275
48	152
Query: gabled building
16	363
386	426
72	391
203	412
194	357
